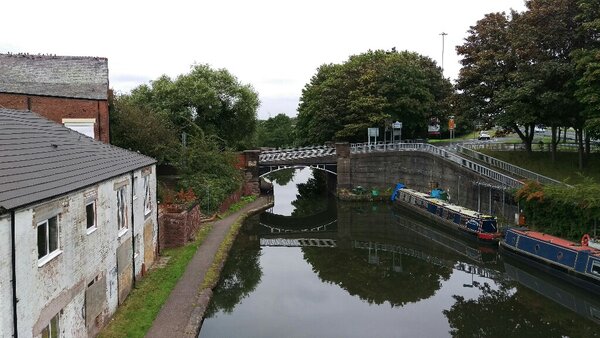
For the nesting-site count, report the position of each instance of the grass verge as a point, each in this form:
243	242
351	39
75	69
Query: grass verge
135	316
564	169
212	275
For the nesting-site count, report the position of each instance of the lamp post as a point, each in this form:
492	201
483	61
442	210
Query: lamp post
443	43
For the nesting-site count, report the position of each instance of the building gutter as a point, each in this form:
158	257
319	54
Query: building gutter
132	226
13	259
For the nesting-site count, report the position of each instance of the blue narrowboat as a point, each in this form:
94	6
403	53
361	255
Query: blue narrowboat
480	226
578	263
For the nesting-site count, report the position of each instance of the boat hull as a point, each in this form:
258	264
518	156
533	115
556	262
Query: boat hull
576	278
447	224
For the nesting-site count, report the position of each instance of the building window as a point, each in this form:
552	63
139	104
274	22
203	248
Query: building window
47	237
122	208
82	126
147	196
90	215
53	329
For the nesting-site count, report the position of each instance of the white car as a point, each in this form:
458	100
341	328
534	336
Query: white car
484	136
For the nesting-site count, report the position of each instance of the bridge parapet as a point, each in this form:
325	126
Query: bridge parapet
304	155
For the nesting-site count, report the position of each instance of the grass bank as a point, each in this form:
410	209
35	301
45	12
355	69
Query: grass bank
564	169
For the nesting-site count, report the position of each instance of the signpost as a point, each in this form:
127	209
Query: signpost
451	126
397	128
373	133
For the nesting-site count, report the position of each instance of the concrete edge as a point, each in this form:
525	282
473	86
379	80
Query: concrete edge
204	296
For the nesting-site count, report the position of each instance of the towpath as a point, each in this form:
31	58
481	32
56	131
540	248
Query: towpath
181	314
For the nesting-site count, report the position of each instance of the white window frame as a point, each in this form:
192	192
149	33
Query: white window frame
147	196
122	222
54	323
49	255
79	124
94	226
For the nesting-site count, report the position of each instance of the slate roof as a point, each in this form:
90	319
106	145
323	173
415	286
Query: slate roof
61	76
41	159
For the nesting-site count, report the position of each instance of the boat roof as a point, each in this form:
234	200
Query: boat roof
449	206
557	241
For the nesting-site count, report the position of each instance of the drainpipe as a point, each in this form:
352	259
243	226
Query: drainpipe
14	272
132	227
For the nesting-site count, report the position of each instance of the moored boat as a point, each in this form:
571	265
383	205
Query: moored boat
480	226
577	263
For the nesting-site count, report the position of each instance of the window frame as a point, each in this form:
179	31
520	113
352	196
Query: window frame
49	255
147	197
48	329
122	221
94	226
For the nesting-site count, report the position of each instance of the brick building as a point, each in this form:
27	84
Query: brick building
71	90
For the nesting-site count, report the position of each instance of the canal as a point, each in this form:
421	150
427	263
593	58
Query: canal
314	267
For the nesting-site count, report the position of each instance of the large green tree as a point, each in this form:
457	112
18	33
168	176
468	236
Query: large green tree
214	100
135	128
369	90
275	132
526	68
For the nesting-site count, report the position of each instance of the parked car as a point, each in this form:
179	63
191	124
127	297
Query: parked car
484	136
539	129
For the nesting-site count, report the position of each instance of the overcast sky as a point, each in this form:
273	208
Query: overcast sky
276	46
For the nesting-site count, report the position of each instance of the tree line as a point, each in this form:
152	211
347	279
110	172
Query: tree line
521	69
540	66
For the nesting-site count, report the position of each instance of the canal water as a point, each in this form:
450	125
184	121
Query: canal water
314	267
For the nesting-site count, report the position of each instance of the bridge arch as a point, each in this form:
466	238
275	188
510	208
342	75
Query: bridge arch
268	169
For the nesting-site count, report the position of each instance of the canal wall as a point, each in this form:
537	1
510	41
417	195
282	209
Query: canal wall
422	171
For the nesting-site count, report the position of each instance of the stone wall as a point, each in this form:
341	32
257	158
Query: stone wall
422	172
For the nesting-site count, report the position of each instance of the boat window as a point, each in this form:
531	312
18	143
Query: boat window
489	226
559	255
595	268
537	248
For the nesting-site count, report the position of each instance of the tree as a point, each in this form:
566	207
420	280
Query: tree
341	101
149	132
213	99
587	62
275	132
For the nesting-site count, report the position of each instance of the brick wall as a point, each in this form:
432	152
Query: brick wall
56	108
178	228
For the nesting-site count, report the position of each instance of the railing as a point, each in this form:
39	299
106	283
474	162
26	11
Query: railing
572	147
482	170
505	166
295	153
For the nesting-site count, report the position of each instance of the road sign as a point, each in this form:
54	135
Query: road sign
397	125
373	132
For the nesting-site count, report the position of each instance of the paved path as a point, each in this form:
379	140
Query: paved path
181	314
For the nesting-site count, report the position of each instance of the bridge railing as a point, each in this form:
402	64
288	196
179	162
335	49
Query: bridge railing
504	180
507	167
295	153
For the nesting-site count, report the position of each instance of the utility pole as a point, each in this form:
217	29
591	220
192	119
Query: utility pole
443	43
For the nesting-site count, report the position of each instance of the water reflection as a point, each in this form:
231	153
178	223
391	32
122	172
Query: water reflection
358	269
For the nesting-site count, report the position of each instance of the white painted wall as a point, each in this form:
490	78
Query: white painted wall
60	284
6	323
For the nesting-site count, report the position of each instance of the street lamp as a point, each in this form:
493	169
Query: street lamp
443	43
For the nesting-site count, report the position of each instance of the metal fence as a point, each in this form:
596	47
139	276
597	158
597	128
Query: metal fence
504	180
505	166
567	147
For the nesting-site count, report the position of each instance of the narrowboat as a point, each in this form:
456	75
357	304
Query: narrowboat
477	225
577	263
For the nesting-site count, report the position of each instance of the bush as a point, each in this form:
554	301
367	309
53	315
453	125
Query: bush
559	210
